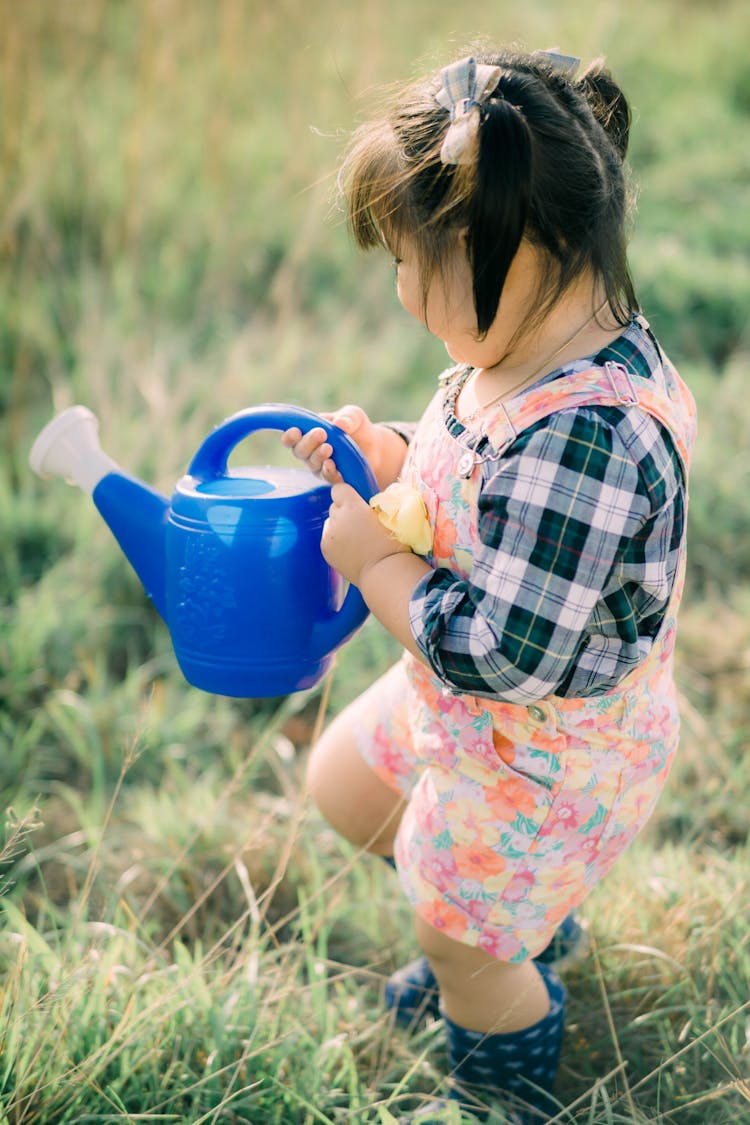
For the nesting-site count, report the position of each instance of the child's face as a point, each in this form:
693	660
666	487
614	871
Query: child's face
450	313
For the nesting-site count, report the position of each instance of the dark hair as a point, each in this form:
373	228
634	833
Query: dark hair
549	168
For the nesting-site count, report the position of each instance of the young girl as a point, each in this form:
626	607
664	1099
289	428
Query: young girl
520	744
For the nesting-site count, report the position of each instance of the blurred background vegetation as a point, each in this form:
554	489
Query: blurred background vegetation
180	936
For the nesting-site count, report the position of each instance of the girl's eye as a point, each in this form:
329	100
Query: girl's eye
396	262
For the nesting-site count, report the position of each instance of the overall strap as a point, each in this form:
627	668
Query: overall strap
610	384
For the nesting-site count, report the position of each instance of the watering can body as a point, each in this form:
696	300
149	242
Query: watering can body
233	560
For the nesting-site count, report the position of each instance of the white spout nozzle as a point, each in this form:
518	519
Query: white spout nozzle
68	447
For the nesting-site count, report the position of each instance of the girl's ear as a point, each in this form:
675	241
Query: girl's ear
462	242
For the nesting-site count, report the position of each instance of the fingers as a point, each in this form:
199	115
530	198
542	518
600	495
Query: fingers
341	493
314	449
313	445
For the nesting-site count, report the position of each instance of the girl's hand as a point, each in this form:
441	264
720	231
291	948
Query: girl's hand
383	449
353	537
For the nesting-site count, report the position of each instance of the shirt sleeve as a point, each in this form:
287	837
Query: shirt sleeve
405	430
553	516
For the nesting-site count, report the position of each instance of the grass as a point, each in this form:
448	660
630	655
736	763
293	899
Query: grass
164	985
182	939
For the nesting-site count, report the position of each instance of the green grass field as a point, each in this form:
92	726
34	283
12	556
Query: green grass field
182	939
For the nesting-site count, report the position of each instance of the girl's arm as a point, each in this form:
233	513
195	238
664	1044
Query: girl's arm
577	543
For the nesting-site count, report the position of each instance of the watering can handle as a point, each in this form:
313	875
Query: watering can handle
210	463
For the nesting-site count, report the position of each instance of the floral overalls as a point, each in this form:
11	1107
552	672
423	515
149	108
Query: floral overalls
515	812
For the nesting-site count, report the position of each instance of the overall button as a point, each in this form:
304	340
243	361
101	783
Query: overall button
538	714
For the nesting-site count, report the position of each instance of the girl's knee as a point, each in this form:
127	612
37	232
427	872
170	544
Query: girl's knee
324	779
446	955
318	769
479	992
437	947
350	795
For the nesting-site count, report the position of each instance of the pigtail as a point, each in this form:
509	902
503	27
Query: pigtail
500	202
608	104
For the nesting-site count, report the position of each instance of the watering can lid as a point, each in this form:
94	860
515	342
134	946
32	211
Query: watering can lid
261	483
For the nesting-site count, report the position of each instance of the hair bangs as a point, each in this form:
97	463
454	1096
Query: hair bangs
375	185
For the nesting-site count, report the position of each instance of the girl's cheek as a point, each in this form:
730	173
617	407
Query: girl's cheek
409	291
404	297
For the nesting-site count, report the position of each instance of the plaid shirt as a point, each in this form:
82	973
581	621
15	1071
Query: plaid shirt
580	526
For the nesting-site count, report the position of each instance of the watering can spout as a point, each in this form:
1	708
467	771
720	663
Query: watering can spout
69	447
136	514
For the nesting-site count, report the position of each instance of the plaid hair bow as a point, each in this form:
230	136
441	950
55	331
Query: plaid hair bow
465	86
565	64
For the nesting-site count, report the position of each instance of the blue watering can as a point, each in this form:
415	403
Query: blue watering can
233	562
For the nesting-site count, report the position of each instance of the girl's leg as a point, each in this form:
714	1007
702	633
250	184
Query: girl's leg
353	799
412	991
477	991
503	1026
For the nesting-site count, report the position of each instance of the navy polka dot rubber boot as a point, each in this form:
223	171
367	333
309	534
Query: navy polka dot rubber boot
412	991
506	1077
